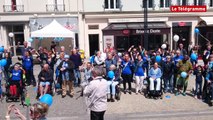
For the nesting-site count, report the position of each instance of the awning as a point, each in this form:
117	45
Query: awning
125	26
136	28
208	20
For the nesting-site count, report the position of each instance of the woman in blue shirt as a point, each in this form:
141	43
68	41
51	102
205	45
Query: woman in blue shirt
139	74
126	74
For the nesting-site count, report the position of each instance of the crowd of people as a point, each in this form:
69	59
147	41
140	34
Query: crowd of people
105	70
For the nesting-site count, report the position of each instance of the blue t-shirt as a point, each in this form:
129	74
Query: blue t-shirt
139	72
126	68
16	75
177	58
28	63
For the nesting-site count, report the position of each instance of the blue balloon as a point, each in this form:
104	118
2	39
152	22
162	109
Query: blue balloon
197	30
3	62
111	74
193	56
30	39
1	49
158	58
183	74
47	99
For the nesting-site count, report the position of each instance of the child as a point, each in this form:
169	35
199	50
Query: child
198	81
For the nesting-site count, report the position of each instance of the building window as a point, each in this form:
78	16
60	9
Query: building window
183	2
165	3
13	6
211	3
149	4
55	5
112	4
199	2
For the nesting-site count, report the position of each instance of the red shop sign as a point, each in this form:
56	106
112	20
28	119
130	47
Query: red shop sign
126	32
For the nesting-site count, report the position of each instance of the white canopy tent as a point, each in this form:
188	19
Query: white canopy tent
54	29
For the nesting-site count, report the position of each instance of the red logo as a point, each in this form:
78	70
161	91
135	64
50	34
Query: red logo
188	8
126	32
182	23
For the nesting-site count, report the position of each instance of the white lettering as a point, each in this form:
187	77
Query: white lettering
149	31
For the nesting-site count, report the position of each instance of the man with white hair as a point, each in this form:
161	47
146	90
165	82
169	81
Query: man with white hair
96	93
66	68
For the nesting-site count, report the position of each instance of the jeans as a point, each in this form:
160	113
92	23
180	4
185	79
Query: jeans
198	84
77	76
112	84
97	115
168	83
138	83
151	86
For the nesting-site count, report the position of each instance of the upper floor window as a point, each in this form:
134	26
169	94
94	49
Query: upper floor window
211	3
198	2
55	5
182	2
13	6
112	4
149	4
165	3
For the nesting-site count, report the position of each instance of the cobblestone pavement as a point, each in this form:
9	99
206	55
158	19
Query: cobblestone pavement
130	107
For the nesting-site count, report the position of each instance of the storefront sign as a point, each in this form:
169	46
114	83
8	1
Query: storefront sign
148	31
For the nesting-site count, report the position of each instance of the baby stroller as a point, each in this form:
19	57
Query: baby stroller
16	92
154	93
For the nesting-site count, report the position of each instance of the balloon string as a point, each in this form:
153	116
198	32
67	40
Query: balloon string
203	37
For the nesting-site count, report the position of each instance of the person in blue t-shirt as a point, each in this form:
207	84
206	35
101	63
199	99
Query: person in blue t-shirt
15	82
27	61
176	59
139	74
126	74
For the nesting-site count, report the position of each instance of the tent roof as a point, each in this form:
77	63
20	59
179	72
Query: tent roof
54	29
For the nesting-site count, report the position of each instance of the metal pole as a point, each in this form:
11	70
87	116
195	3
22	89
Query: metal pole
14	47
145	41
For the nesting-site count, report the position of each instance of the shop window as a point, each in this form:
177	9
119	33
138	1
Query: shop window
199	2
165	3
183	2
112	4
55	5
149	4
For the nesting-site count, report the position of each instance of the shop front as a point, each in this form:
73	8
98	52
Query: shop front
205	34
123	35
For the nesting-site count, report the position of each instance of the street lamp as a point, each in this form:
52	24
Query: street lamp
12	42
145	41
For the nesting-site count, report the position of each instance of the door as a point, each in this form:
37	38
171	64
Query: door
93	43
